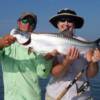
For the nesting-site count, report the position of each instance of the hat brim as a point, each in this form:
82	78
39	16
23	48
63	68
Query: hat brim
78	21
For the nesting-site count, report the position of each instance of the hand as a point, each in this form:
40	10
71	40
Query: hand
96	55
72	54
7	40
51	54
89	55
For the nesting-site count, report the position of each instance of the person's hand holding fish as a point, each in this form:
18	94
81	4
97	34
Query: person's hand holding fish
89	55
72	54
7	40
93	55
96	55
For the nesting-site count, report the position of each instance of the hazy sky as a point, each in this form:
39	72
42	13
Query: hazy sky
10	10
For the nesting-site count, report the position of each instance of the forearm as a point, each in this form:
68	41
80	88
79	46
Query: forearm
92	69
1	44
7	40
61	68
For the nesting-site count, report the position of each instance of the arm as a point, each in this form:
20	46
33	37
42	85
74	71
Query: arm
4	42
92	69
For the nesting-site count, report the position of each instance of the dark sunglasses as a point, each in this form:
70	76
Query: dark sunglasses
66	19
27	20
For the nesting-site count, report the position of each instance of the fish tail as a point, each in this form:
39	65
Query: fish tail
98	43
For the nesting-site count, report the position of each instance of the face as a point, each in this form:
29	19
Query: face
26	24
65	25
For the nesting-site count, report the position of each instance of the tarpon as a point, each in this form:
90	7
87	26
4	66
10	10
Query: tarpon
45	43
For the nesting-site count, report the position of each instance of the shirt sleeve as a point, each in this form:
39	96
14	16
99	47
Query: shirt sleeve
1	53
43	67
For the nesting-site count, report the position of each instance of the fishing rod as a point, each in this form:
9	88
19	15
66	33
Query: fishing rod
78	76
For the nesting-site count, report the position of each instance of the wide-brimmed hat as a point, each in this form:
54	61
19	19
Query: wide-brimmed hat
32	15
68	14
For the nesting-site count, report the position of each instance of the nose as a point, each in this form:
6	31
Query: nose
69	25
66	25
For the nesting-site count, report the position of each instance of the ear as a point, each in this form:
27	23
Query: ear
18	23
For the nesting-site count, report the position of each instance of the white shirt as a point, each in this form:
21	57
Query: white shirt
57	85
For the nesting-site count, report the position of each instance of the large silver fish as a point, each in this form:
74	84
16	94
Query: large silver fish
44	43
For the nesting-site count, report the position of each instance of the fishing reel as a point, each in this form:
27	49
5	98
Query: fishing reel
83	88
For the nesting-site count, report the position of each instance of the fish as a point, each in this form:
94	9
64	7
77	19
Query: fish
45	43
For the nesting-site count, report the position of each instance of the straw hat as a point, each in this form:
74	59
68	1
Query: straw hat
67	14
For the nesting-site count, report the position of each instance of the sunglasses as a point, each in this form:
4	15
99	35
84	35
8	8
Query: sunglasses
28	20
66	19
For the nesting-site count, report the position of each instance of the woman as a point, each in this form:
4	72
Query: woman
67	67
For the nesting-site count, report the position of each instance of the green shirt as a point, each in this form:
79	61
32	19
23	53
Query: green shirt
21	72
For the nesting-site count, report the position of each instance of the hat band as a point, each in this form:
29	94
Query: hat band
67	14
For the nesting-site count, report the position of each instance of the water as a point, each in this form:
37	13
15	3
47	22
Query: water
94	82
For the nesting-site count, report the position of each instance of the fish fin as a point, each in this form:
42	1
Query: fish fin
98	43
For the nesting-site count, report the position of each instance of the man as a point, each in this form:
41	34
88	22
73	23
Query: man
21	69
67	67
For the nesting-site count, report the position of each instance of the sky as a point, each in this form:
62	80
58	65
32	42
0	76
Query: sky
10	10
